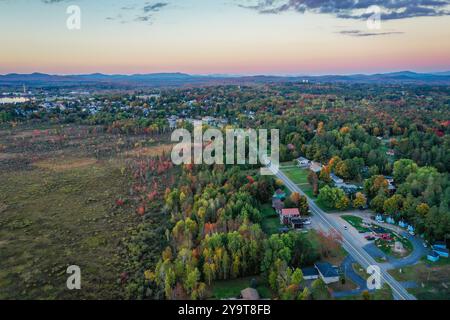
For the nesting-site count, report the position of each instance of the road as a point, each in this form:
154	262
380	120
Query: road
350	243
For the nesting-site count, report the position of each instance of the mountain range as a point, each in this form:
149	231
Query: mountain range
183	79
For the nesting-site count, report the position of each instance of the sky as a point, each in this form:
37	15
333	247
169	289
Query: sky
283	37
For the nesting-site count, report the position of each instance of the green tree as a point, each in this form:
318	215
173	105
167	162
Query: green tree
403	168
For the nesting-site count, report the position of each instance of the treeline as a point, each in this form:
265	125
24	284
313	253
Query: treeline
422	198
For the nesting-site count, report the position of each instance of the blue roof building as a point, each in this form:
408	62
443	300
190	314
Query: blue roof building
440	244
327	272
310	273
433	256
441	252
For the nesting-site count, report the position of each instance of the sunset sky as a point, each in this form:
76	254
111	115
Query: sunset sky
224	36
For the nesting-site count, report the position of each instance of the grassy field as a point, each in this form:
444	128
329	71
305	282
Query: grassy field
385	293
355	222
58	208
297	175
432	279
271	221
360	270
232	288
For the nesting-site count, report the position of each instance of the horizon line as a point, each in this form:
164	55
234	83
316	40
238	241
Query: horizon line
219	74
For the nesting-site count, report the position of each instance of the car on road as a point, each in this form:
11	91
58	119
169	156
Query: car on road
345	227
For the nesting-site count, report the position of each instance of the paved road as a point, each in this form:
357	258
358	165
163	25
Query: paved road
350	243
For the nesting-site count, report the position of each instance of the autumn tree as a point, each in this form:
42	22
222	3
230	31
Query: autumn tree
360	200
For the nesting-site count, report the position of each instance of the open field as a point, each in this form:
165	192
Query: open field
297	175
58	208
432	279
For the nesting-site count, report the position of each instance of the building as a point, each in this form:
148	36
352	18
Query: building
277	205
250	294
327	272
391	185
287	214
172	122
310	273
279	194
441	252
440	244
336	179
303	162
315	167
348	188
402	224
433	256
390	220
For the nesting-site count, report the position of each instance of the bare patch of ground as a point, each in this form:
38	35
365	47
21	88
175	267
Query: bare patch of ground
63	164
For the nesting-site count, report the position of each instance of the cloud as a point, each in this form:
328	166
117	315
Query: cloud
358	33
355	9
155	7
148	10
52	1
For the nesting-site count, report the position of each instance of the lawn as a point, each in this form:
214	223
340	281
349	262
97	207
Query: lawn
297	175
232	288
355	222
271	221
360	270
385	293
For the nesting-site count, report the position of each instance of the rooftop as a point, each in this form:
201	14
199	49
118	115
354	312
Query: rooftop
310	271
290	212
327	270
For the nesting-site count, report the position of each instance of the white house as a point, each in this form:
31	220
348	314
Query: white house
303	162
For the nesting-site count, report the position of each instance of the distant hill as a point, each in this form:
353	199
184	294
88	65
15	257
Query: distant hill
182	79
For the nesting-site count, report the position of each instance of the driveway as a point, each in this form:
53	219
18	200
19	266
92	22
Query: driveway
350	273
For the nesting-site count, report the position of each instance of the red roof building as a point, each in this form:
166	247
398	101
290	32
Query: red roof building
287	214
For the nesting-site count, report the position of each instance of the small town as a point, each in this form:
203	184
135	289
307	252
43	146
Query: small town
212	159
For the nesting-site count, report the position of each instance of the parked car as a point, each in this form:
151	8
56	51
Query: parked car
345	227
